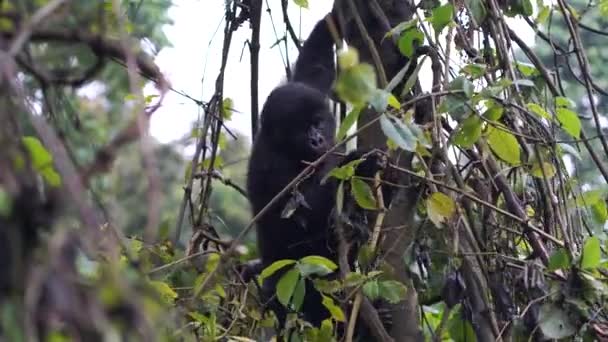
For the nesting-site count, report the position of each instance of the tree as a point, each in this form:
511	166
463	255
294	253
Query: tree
489	238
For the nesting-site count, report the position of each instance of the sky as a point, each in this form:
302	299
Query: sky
193	62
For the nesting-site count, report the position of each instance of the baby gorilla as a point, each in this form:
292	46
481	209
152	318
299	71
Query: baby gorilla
297	127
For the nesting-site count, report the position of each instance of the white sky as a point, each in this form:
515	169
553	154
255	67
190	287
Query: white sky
196	43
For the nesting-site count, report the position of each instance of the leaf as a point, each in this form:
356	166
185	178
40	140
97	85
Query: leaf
363	194
398	132
301	3
494	113
442	16
39	155
564	102
478	10
457	104
393	291
547	168
554	322
440	207
461	329
468	132
371	289
589	198
411	81
340	198
603	6
274	267
600	212
504	145
227	107
559	260
348	122
409	40
591	256
353	279
348	59
538	110
475	70
335	311
526	7
343	172
164	290
393	101
315	264
570	121
379	101
287	285
357	84
6	203
299	294
526	69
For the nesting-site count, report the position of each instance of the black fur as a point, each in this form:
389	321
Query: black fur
297	126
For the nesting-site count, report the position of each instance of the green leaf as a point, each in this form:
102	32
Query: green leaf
570	121
40	156
589	198
538	110
371	289
591	256
526	69
227	107
559	260
301	3
6	203
298	294
335	311
504	145
287	285
440	207
393	291
600	212
348	58
457	104
353	279
468	132
543	15
315	264
494	113
398	132
379	101
357	84
475	70
442	16
340	198
526	7
345	171
393	101
274	267
603	6
564	102
363	194
547	168
462	84
555	322
164	290
478	10
460	329
348	122
411	81
409	40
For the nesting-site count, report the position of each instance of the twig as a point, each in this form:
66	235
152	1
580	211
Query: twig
31	24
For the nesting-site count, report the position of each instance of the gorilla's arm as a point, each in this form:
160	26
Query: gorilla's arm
315	65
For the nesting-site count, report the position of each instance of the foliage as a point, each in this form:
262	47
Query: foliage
505	166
